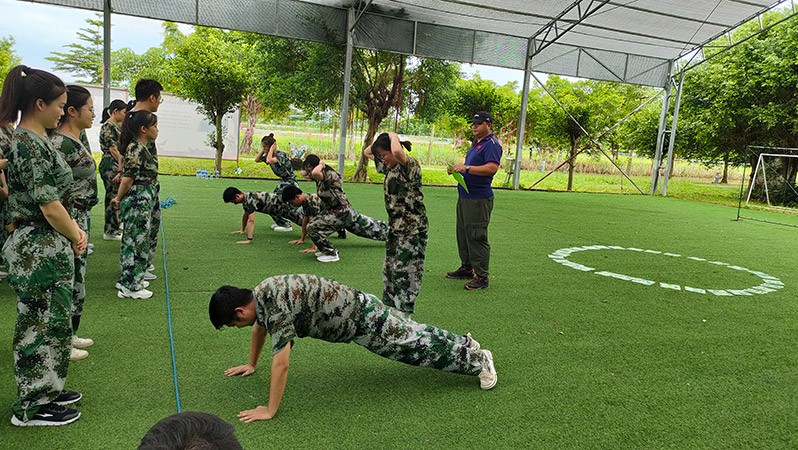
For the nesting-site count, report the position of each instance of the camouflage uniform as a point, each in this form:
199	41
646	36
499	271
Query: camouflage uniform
407	236
109	136
41	271
83	196
135	210
6	133
295	306
270	203
155	211
283	169
330	211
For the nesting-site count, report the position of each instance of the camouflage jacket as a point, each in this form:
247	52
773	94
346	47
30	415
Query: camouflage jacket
404	201
312	206
38	174
295	306
109	137
84	168
6	134
139	163
282	168
331	192
266	202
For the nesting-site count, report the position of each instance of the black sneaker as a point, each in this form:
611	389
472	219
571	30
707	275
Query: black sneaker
49	415
462	273
477	283
342	234
67	398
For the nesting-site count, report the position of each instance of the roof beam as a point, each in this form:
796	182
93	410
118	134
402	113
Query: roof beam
563	23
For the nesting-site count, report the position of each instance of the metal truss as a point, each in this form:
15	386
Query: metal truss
563	23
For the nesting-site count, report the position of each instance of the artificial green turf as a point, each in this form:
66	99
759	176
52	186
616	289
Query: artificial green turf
584	361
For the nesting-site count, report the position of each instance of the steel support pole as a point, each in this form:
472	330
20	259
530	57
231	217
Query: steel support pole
519	148
672	143
661	131
106	53
350	42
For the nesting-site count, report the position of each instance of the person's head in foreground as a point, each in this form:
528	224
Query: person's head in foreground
232	195
190	431
294	196
381	149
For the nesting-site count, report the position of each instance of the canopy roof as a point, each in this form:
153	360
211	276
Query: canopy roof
630	41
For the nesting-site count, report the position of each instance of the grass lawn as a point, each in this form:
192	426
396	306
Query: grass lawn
584	361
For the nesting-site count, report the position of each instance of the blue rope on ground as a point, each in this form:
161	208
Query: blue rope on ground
169	305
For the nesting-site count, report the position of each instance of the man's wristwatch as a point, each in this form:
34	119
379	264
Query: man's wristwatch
468	169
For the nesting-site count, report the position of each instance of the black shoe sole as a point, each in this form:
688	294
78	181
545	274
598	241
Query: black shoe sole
458	278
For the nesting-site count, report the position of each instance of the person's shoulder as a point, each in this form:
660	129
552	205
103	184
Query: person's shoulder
28	143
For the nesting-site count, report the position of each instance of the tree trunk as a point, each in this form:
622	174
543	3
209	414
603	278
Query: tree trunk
725	178
253	107
219	144
572	155
361	173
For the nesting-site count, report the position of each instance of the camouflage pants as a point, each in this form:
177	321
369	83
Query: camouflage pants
135	210
417	344
322	225
107	173
403	269
155	223
283	213
41	263
79	286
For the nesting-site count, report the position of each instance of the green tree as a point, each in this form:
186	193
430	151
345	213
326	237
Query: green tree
83	59
209	71
8	58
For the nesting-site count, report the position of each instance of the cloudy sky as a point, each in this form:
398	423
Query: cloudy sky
40	29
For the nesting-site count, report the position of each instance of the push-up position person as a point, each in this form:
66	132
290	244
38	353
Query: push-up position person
294	306
262	202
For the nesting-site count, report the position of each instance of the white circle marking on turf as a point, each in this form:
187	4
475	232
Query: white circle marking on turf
769	283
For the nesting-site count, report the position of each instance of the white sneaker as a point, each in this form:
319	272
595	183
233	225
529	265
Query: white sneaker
318	254
140	294
144	284
274	225
328	258
79	342
150	268
149	276
76	354
472	343
487	377
112	237
280	229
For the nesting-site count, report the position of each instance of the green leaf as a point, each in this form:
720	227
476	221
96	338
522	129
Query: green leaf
459	177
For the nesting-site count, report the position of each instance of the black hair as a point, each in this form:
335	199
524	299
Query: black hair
383	144
230	194
310	162
77	97
115	105
22	87
289	192
146	87
222	308
190	430
268	140
131	127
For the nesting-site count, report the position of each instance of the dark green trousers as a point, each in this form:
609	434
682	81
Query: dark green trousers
473	218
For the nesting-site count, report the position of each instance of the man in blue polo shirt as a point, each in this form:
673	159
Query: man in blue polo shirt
474	207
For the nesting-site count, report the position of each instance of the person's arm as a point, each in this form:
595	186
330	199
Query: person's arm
368	153
301	240
260	156
58	217
485	170
249	223
124	186
118	158
397	150
3	164
277	382
4	189
271	158
255	348
318	172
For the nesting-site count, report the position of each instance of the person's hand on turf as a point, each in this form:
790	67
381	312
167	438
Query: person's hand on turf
308	250
237	232
259	413
243	370
297	241
245	242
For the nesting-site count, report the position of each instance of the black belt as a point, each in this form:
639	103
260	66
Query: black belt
143	183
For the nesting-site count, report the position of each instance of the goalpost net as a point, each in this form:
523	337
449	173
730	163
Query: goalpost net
772	193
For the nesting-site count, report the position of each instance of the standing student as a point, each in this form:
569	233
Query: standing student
336	212
41	249
78	116
111	165
137	192
281	166
407	222
148	98
290	307
6	134
475	206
